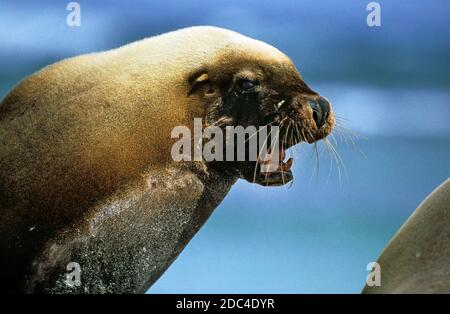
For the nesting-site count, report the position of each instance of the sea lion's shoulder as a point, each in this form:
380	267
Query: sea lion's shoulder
151	220
416	260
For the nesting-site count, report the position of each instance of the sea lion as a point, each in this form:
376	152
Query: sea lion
417	259
86	173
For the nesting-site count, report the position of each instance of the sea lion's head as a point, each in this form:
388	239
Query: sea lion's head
250	83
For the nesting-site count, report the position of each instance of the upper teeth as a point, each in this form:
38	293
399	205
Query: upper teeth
280	104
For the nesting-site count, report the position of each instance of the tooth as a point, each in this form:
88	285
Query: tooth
282	155
288	164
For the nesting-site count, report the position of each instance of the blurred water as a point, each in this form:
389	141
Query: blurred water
318	235
389	85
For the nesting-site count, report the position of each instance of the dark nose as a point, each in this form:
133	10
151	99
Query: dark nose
321	110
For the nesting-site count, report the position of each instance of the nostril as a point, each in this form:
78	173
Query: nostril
321	110
317	112
315	116
326	107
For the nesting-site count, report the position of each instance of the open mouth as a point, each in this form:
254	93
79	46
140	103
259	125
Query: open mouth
273	170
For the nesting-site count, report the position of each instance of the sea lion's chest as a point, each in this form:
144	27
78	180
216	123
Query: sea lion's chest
125	243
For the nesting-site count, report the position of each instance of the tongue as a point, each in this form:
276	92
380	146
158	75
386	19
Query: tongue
269	165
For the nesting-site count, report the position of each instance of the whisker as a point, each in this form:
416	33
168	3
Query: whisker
350	137
259	130
331	162
259	153
339	160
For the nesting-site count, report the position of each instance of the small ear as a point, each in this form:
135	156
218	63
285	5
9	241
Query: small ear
202	78
198	77
198	81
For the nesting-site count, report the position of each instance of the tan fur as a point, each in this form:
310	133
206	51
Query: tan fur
416	260
75	129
